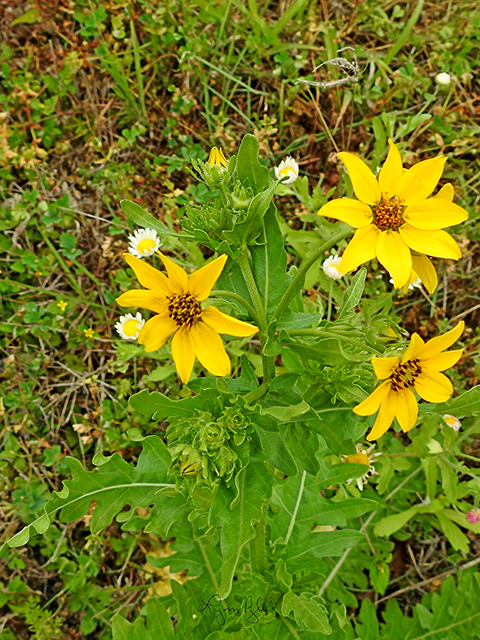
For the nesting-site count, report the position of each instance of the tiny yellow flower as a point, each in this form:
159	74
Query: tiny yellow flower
394	216
216	157
176	300
89	333
62	305
418	369
38	273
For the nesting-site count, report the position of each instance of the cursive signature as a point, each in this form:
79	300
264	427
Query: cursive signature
215	607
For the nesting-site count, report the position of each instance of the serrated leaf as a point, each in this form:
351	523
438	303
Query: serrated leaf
308	611
464	406
111	486
156	405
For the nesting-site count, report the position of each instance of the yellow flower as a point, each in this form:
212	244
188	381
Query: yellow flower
418	369
216	157
176	300
394	216
62	305
89	333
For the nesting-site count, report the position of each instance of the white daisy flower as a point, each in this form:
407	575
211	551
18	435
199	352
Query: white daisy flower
452	422
363	456
288	167
128	326
443	79
143	243
330	267
416	284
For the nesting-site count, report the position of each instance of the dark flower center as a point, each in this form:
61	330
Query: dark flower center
404	375
184	309
388	215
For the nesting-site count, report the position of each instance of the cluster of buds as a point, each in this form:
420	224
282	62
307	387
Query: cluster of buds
203	446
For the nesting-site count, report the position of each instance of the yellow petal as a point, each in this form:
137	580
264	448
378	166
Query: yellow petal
362	247
440	343
433	386
183	353
395	256
210	350
385	417
355	213
222	323
407	409
156	331
384	367
178	278
426	271
443	361
446	192
364	182
414	348
201	281
144	299
418	182
434	213
433	243
391	172
373	401
148	276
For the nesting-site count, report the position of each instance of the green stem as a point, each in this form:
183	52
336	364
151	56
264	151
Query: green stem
299	277
330	292
255	394
295	510
258	548
229	294
261	315
333	334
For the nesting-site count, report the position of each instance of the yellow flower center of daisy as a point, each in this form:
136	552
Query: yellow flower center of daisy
404	375
388	215
286	171
145	245
130	328
358	458
184	309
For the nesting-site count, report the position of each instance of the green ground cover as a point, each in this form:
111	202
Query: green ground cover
101	102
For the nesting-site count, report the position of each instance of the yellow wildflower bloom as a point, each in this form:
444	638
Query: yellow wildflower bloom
394	216
62	305
418	369
216	157
89	333
176	300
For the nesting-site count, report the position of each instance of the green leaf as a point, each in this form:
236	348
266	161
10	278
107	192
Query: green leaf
144	219
388	525
464	406
248	229
29	17
250	172
321	545
254	488
277	452
157	406
269	263
308	611
114	484
159	623
454	534
352	296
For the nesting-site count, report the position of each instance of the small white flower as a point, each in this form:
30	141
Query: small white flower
363	456
452	422
443	79
288	167
129	326
416	284
143	243
330	267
